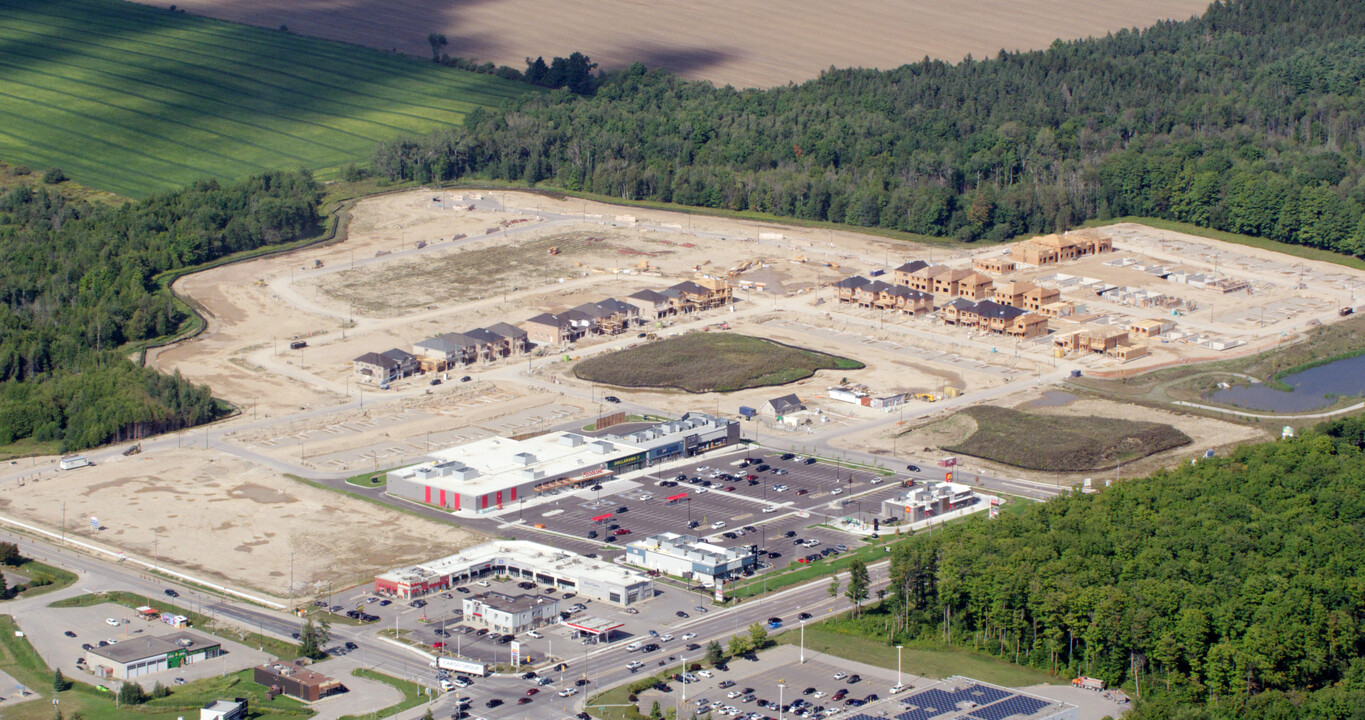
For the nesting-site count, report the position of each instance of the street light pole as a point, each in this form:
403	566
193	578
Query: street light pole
803	642
898	664
781	685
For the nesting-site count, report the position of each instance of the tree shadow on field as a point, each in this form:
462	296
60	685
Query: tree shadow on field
684	61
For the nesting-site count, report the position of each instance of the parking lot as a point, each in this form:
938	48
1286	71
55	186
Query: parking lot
47	628
439	619
797	496
814	682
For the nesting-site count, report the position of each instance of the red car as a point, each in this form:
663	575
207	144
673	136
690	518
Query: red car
730	489
532	691
804	560
751	476
438	644
622	531
523	701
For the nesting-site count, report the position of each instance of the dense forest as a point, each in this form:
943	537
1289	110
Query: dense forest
1249	119
1234	588
78	282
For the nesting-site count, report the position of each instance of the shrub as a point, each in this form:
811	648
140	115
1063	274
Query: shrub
53	176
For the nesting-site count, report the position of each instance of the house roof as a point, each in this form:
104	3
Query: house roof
649	296
690	287
954	275
852	283
483	335
990	308
905	292
399	356
507	330
960	304
912	266
446	343
929	271
785	403
1015	287
875	287
547	319
975	278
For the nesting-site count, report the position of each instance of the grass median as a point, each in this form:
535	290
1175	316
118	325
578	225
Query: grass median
413	694
797	573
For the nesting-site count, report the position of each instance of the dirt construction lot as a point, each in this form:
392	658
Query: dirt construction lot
740	43
214	515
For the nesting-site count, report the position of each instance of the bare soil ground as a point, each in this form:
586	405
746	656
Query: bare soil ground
216	515
938	432
741	43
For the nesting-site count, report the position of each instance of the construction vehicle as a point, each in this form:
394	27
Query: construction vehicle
554	250
1346	311
927	397
421	244
317	264
133	450
1088	683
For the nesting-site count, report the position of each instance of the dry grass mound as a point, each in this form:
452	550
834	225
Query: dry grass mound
709	362
1062	443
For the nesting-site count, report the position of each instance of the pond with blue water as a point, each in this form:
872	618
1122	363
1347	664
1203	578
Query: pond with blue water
1313	389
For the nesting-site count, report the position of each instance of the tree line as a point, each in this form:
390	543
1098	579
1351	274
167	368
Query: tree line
1227	589
574	73
79	282
1249	119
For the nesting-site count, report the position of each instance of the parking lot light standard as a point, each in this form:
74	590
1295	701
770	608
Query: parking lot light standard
898	664
781	685
803	642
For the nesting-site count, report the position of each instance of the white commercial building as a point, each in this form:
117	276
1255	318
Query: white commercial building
522	560
930	499
490	474
689	557
511	614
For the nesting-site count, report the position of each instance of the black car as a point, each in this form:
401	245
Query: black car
580	682
528	676
693	524
681	614
808	461
568	595
855	679
912	468
692	646
464	590
493	703
803	616
68	633
789	533
609	538
592	534
761	468
466	378
787	456
650	647
808	691
171	593
661	687
296	636
351	646
87	646
612	399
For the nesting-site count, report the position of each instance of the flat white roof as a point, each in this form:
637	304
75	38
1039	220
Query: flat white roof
522	553
687	547
498	463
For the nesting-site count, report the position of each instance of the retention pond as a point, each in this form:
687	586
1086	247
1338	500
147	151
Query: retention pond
1312	389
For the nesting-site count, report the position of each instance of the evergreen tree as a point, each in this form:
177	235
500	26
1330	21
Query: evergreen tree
715	655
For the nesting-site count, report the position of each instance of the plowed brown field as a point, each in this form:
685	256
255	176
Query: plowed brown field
740	42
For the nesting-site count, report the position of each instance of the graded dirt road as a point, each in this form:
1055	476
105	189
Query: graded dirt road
746	44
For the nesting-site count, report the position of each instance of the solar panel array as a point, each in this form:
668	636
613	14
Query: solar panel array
918	714
1017	705
985	695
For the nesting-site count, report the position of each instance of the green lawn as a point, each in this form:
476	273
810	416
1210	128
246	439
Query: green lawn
33	569
709	362
797	573
413	694
136	99
923	661
22	662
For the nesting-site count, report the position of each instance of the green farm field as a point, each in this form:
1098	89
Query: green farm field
137	100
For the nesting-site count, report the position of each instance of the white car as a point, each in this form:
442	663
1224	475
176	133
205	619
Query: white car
482	583
566	692
689	636
819	694
534	634
837	491
770	509
665	637
704	673
718	525
779	488
112	621
897	689
447	685
701	491
634	665
840	675
875	481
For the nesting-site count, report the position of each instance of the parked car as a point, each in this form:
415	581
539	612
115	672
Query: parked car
171	593
69	634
